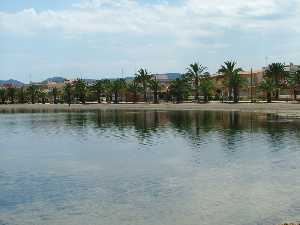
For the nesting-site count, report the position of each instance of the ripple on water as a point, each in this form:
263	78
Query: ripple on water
149	168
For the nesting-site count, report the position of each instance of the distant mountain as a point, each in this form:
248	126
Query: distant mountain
12	82
55	79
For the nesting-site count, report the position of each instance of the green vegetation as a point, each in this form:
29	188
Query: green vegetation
32	92
55	93
206	87
233	79
98	88
155	87
143	77
194	73
134	88
276	72
68	92
293	81
179	89
117	87
268	85
80	90
196	84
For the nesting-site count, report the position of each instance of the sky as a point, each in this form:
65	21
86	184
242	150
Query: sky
114	38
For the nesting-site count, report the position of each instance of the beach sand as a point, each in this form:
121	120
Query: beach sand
282	108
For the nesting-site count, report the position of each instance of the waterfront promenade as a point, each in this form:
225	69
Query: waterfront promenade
280	108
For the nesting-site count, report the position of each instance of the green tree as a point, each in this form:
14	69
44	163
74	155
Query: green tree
80	90
233	79
98	88
11	93
32	92
134	87
143	76
21	95
118	86
293	81
107	86
268	85
179	89
155	86
206	87
276	72
42	96
194	73
68	92
2	95
55	94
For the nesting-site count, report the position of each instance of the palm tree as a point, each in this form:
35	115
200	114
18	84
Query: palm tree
80	90
117	86
68	91
293	81
21	95
2	95
143	77
32	91
179	89
107	86
194	73
134	88
98	88
268	85
54	93
11	92
42	95
233	79
206	87
277	73
155	86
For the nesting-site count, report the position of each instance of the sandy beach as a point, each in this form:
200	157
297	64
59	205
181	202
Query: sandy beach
282	108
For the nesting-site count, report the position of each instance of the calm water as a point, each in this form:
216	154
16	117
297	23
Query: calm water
148	168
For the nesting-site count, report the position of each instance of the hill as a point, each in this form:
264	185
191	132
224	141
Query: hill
12	82
54	79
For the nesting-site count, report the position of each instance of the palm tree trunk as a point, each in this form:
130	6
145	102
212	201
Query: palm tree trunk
145	95
155	97
110	98
116	98
99	97
269	97
205	98
235	95
69	100
135	97
230	93
197	89
277	94
55	99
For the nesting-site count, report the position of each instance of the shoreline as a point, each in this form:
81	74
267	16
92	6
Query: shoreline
282	108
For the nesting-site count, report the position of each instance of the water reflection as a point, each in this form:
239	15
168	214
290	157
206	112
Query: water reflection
148	167
192	125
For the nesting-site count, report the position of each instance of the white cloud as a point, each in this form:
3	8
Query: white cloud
105	35
185	21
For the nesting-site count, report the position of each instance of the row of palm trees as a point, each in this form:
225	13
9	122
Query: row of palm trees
196	82
276	78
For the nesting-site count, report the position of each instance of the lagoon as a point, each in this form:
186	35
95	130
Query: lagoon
148	167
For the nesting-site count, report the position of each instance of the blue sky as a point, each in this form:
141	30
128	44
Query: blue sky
100	38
